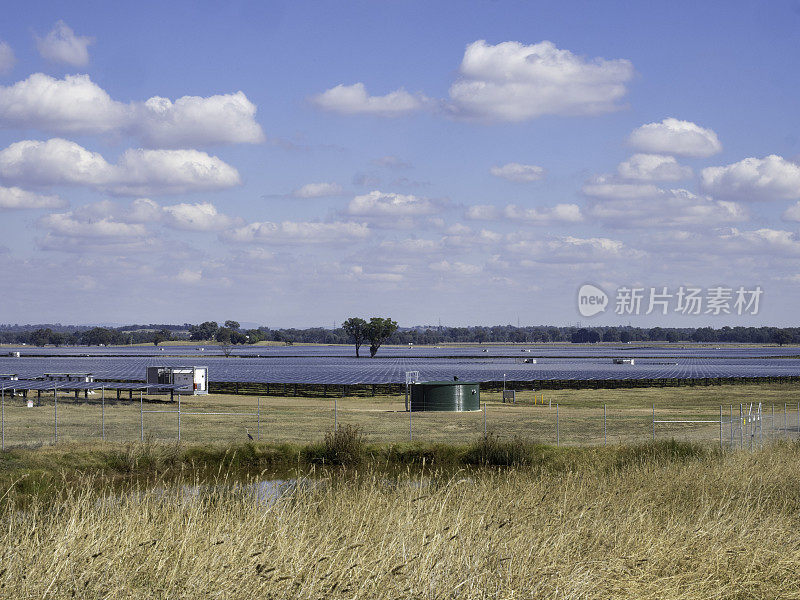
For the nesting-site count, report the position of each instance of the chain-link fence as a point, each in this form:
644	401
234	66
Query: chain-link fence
58	418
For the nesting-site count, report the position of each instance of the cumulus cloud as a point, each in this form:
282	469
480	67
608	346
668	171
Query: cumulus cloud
202	216
514	82
653	167
455	268
518	173
7	58
560	213
62	162
76	104
753	179
792	213
197	121
482	212
728	242
318	190
665	208
672	136
63	46
410	246
17	198
74	225
354	99
382	204
293	232
190	276
570	249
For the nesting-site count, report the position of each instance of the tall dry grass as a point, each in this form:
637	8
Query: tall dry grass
704	526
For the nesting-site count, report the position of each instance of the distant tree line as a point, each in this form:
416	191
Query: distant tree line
231	333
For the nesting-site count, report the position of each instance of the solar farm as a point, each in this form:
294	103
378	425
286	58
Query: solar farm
336	365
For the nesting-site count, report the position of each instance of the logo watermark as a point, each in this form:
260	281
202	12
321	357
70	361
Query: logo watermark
684	300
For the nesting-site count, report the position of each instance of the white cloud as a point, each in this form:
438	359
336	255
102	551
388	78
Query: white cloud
358	272
190	276
292	232
172	172
354	99
672	136
381	204
76	104
792	213
753	179
514	82
570	249
653	167
610	188
482	212
61	162
17	198
560	213
455	268
518	173
655	207
202	216
197	121
318	190
72	225
62	45
411	246
7	58
732	243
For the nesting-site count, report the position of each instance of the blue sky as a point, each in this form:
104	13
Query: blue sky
293	164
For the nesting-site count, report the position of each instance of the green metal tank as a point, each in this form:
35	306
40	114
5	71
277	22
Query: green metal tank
450	396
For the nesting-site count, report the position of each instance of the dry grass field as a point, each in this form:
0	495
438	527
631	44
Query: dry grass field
704	525
384	420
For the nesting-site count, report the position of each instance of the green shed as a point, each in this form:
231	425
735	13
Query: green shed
450	396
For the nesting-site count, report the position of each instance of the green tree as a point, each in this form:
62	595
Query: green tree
204	331
781	337
164	335
356	329
377	331
232	325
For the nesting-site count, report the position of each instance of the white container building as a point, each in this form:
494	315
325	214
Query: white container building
194	379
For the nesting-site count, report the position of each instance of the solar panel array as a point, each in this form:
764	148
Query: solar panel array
335	370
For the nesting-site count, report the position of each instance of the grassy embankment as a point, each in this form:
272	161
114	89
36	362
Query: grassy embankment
665	521
302	420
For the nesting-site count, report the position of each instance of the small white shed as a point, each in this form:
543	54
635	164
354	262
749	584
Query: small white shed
194	379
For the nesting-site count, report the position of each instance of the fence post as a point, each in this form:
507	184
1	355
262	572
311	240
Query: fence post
103	413
785	430
741	427
605	429
772	424
558	439
55	415
335	415
141	416
410	426
730	422
720	426
179	417
484	419
258	422
654	421
3	426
